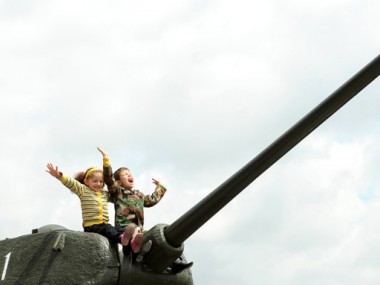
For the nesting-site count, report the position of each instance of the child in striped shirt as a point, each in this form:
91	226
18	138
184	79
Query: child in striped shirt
89	187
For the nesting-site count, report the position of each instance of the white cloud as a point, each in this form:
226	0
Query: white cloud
188	92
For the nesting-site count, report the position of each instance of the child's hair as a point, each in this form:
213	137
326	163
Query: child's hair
81	176
116	175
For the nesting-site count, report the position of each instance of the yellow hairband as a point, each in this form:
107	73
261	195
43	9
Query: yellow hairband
91	170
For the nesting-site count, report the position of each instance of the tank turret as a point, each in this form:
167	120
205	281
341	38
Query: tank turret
55	255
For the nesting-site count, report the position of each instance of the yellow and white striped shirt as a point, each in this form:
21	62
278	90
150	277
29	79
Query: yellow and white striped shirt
94	204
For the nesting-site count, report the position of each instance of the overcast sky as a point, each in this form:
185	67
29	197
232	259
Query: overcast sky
188	92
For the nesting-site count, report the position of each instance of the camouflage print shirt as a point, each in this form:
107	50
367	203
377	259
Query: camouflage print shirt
129	204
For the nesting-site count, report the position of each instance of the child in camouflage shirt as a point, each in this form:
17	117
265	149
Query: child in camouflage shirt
129	203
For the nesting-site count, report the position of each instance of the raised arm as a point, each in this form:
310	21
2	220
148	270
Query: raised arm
107	170
104	154
155	197
70	183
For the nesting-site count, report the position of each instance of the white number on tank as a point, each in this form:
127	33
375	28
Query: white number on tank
5	266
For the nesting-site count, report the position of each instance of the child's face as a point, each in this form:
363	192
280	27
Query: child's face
95	181
126	179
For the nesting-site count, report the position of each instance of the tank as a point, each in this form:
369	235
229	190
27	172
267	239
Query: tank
55	255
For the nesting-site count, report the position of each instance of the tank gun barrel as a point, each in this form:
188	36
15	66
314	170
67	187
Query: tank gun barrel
168	239
192	220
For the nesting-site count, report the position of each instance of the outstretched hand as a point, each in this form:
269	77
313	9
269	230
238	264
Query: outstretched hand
104	154
155	181
53	171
